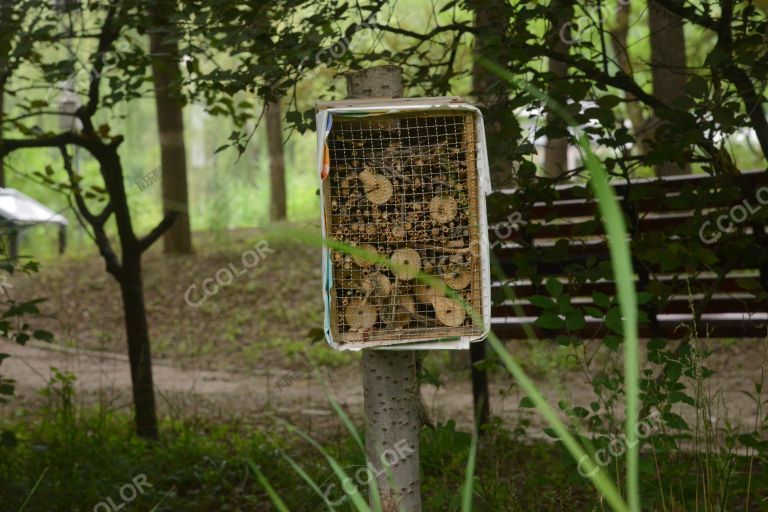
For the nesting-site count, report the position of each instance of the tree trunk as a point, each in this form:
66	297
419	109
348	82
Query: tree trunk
139	354
390	386
393	423
277	209
491	23
492	93
619	42
128	275
2	115
170	125
668	67
556	150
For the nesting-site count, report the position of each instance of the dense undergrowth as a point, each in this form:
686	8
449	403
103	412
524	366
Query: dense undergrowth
69	458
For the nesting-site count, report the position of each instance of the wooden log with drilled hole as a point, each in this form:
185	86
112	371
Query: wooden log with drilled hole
359	315
378	189
406	264
448	311
443	209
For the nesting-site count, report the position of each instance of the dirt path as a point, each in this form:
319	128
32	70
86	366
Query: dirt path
103	377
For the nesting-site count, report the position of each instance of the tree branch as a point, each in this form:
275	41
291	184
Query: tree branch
458	27
107	37
96	221
163	226
9	145
737	76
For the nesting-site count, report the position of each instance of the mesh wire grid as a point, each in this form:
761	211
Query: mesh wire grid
403	187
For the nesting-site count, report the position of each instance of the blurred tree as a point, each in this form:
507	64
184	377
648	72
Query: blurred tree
491	26
2	113
491	20
668	68
169	103
110	71
102	146
558	38
277	209
620	42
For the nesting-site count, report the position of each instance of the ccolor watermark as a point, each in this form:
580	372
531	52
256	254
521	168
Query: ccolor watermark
737	214
294	375
225	276
616	447
388	458
149	179
127	494
505	229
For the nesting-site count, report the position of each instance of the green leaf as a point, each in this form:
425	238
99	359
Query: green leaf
697	87
526	403
549	320
554	286
612	342
594	312
580	412
608	101
644	297
43	335
601	299
613	320
540	301
564	304
675	421
574	320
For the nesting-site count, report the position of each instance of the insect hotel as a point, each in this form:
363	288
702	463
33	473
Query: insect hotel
403	184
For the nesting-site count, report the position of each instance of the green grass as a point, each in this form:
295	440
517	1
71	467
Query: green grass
72	462
69	458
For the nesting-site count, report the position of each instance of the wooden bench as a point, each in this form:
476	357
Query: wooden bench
700	277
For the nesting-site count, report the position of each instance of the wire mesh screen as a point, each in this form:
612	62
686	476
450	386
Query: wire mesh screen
403	188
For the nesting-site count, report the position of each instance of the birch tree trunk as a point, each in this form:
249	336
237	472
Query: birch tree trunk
390	384
556	151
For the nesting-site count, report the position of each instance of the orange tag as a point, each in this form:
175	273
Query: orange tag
326	163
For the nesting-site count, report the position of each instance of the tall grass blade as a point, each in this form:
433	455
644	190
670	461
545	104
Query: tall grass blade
600	480
310	482
373	487
276	500
623	274
354	494
469	479
34	488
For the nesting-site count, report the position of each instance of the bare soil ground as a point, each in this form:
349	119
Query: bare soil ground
243	352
